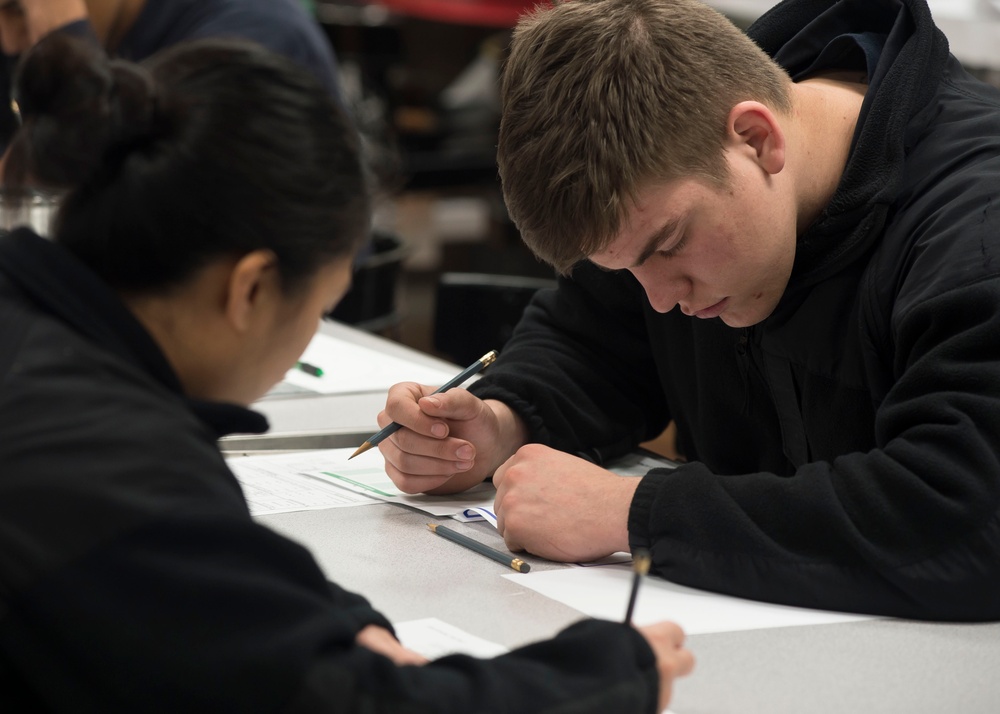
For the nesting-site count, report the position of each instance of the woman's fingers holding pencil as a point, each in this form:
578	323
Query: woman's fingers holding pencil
672	659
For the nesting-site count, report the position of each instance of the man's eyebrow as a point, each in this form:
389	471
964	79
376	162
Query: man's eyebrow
654	242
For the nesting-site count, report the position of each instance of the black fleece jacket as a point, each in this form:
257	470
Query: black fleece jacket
132	578
845	452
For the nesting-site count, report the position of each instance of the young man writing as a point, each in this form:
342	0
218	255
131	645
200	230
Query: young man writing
788	243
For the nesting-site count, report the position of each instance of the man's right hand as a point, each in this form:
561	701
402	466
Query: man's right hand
449	442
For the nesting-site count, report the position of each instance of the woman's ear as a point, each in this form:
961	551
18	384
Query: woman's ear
755	128
252	289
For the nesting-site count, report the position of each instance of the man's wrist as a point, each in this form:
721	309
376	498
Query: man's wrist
627	486
513	434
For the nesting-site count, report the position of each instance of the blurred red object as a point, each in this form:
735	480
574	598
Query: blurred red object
489	13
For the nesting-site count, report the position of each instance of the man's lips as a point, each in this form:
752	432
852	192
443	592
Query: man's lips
713	310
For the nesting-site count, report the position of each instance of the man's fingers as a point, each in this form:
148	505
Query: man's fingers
411	443
404	406
457	403
417	407
417	464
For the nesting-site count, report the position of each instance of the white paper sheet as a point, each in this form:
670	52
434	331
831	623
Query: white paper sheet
604	593
349	368
327	478
279	483
366	474
435	638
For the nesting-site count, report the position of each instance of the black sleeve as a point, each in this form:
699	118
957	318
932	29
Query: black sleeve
579	369
592	666
203	614
910	528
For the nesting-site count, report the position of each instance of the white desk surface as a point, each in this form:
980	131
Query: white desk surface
330	420
386	553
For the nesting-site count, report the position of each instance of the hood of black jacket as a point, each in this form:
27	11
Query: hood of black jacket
910	64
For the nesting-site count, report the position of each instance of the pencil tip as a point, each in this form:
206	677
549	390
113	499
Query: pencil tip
360	450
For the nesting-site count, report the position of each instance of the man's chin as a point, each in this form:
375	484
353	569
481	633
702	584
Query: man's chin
737	320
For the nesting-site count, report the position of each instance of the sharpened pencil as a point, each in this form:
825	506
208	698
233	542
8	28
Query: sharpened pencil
485	361
481	548
641	560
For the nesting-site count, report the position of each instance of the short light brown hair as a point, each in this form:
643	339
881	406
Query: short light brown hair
601	97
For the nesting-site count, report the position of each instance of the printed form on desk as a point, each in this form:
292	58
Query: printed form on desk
326	478
279	483
366	474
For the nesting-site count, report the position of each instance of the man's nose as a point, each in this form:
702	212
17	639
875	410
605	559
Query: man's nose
664	289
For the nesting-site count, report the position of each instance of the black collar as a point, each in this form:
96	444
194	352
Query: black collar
63	287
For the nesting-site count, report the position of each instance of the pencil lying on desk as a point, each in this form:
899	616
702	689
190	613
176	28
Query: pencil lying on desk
641	560
485	361
309	369
499	556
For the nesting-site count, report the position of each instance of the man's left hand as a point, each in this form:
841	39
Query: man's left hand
561	507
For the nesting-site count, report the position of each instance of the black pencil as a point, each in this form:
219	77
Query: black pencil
499	556
485	361
641	561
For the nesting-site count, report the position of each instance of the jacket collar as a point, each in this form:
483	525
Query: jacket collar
58	284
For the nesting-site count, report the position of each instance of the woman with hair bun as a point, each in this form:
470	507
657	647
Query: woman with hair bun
198	242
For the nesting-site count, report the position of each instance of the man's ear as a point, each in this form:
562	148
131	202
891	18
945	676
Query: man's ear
755	128
252	286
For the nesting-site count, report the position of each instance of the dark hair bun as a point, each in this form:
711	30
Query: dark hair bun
79	110
211	147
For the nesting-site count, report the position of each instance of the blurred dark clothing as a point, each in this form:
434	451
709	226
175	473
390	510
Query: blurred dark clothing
283	26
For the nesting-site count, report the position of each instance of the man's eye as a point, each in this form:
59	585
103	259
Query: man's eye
675	249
